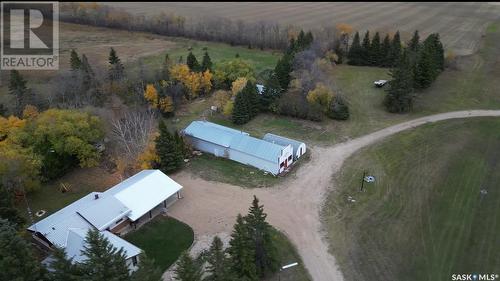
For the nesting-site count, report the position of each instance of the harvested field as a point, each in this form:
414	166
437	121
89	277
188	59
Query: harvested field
459	24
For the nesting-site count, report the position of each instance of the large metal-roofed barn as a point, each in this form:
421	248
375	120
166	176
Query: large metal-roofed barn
299	148
239	146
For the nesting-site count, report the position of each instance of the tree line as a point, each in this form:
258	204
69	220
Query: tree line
263	34
373	51
419	65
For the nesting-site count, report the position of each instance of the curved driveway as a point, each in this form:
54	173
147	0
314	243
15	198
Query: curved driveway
294	205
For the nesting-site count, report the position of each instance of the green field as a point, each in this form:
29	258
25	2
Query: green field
163	239
425	217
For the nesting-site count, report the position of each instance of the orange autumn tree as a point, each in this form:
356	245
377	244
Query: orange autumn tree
195	82
165	104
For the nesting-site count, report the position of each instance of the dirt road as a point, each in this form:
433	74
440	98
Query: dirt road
293	206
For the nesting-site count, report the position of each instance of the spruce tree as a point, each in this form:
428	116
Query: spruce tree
18	88
63	269
272	91
365	49
266	259
147	270
241	112
187	269
395	50
17	261
251	98
102	260
375	51
219	264
74	60
3	110
301	41
309	38
414	44
192	62
165	68
354	54
116	69
384	52
168	151
206	63
399	96
283	69
242	252
8	210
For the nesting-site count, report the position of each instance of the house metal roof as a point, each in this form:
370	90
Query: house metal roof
132	198
234	139
143	191
282	140
105	210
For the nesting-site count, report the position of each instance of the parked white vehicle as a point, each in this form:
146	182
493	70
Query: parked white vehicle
380	83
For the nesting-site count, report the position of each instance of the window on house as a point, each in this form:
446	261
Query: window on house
290	158
282	164
134	260
119	221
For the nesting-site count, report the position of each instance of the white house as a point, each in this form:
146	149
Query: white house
239	146
114	212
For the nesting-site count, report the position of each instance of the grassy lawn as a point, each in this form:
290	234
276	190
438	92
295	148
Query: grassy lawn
424	218
287	254
163	239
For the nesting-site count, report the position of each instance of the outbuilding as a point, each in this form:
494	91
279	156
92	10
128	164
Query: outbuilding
299	148
239	146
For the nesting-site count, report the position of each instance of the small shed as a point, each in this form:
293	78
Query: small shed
299	148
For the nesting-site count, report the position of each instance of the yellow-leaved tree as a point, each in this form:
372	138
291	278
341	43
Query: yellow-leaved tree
220	98
195	82
151	95
30	112
238	85
321	95
166	104
228	108
149	157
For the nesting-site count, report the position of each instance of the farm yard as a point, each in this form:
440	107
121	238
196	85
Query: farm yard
460	24
424	217
433	188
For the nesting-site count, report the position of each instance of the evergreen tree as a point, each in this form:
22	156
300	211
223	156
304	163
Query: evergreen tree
365	49
18	88
63	269
218	263
171	157
3	110
206	63
241	112
147	271
251	98
74	60
7	209
102	260
399	96
272	91
192	62
301	41
181	145
438	51
414	44
375	51
354	54
187	269
266	259
116	69
384	52
165	70
292	47
283	69
338	109
309	38
17	261
395	51
430	62
242	252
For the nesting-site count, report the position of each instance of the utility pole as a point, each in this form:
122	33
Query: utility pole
363	181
